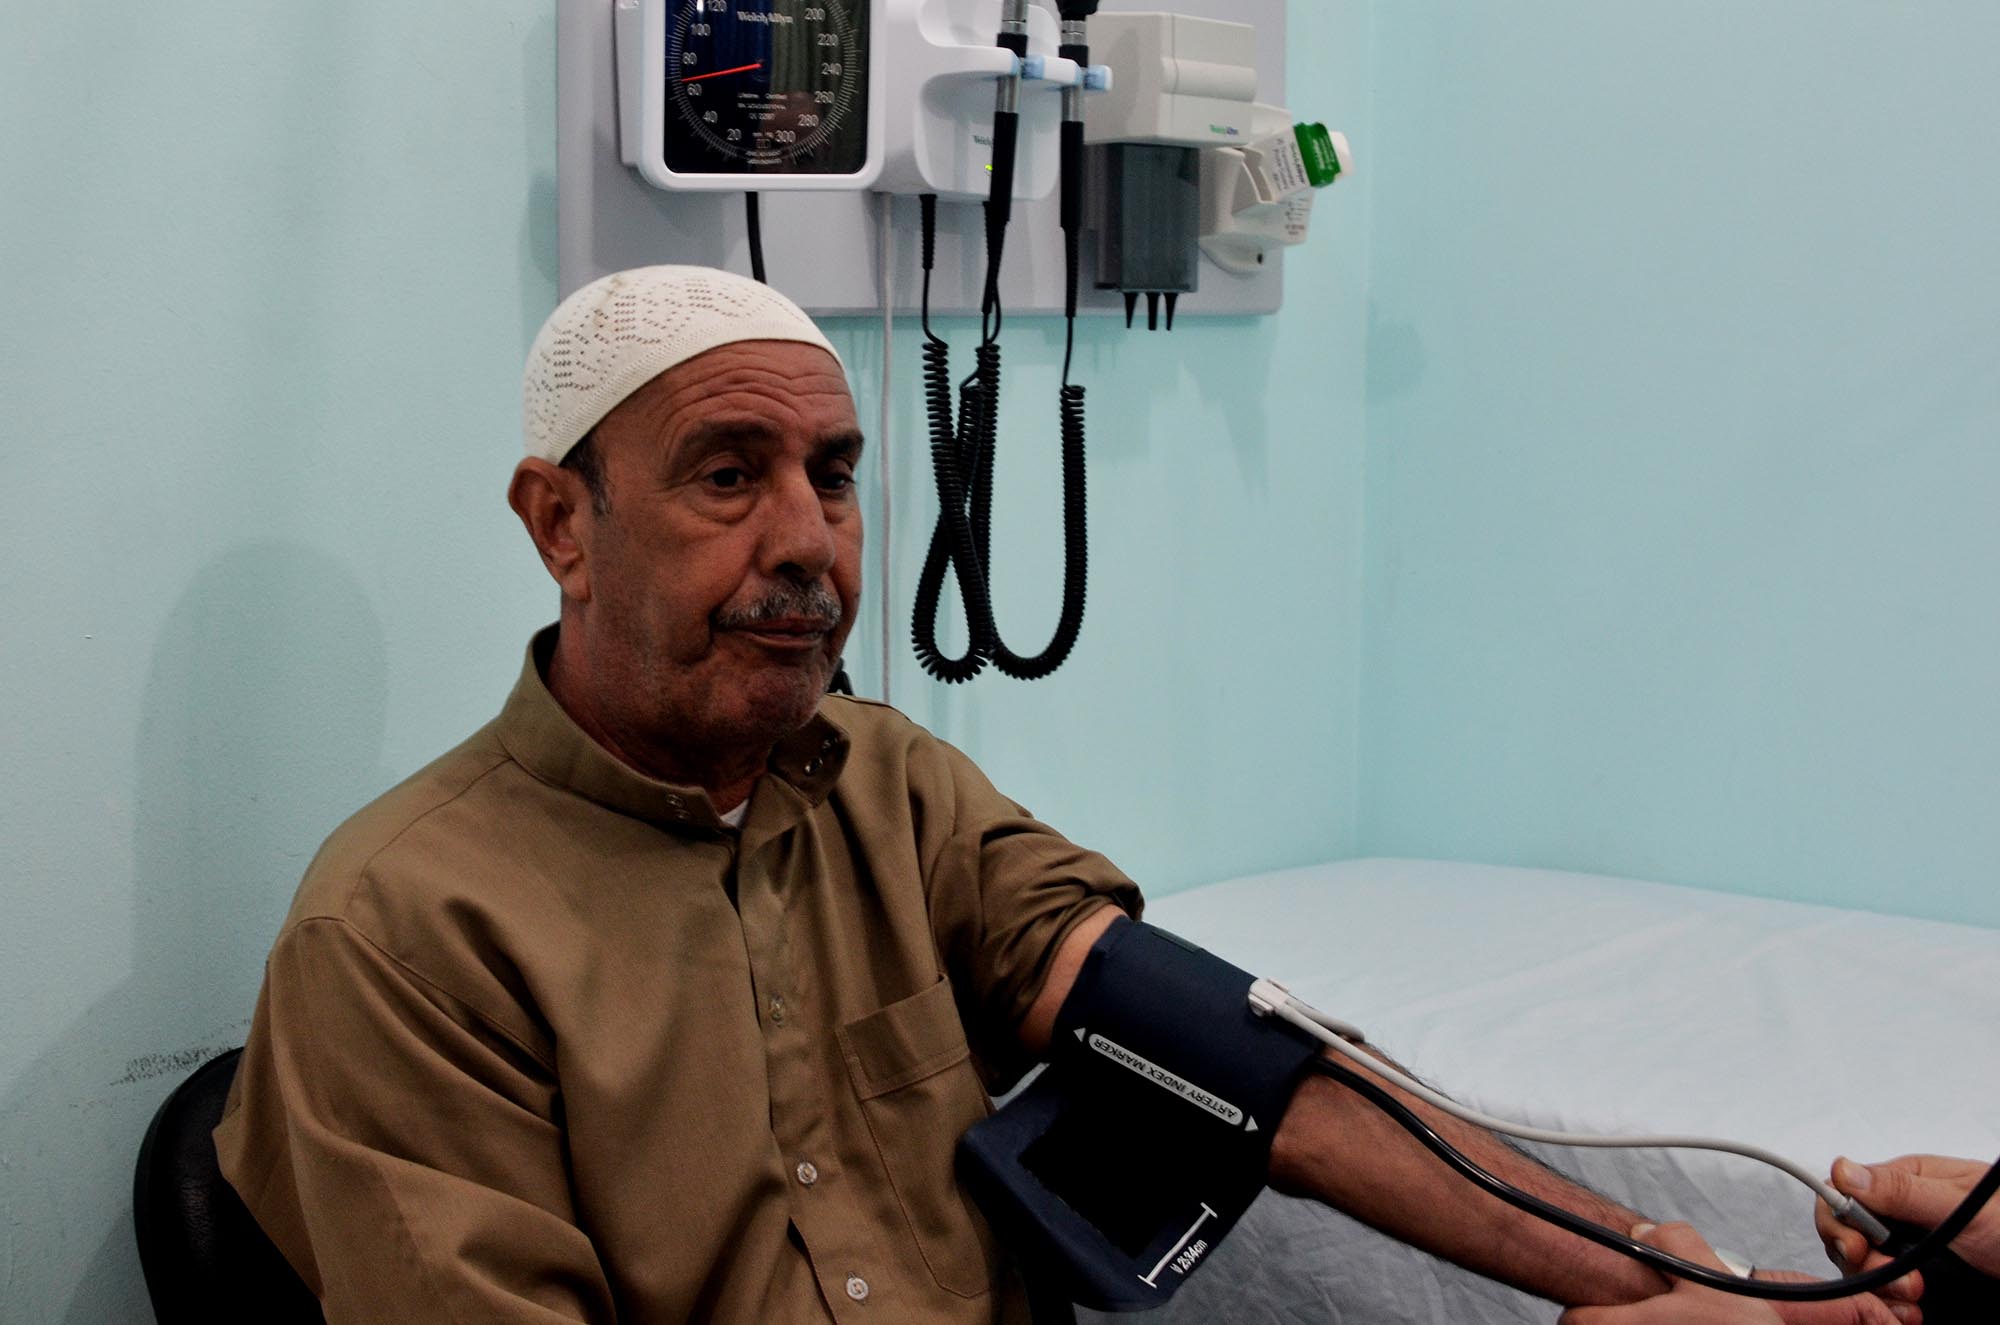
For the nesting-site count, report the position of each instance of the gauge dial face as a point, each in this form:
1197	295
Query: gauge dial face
767	87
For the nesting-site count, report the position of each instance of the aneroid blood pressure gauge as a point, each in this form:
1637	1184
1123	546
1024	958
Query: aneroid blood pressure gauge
750	94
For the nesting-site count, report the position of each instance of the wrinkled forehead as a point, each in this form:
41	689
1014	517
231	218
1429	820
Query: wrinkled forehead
749	388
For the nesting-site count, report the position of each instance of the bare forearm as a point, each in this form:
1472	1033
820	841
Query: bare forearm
1337	1147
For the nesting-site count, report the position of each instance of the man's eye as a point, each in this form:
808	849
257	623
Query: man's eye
836	482
726	478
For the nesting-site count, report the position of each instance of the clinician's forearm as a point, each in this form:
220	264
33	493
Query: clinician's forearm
1336	1147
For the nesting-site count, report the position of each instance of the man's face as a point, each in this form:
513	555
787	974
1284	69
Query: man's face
726	574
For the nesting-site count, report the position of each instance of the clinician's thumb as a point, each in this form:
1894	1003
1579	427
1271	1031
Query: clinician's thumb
1897	1192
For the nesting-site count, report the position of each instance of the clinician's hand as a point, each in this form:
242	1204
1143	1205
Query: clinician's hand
1917	1189
1686	1304
1691	1304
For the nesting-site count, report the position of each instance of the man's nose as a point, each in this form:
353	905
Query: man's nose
798	538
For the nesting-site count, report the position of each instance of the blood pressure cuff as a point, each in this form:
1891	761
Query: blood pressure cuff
1116	1172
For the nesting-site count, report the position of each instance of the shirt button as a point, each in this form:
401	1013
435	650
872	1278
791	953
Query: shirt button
808	1175
857	1288
778	1009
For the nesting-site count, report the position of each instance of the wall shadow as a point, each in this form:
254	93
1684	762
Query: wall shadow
261	728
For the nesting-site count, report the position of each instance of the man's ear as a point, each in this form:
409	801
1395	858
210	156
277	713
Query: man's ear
555	508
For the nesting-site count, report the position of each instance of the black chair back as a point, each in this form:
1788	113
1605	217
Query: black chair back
204	1256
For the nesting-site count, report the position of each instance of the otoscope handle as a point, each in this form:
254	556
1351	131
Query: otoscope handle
1071	161
1073	48
1954	1292
1013	37
1000	198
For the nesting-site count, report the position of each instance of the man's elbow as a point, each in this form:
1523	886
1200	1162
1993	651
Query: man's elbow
1040	1022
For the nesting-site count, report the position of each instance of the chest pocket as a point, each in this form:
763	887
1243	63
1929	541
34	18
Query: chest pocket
912	1071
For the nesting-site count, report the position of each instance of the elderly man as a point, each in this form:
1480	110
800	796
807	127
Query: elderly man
669	993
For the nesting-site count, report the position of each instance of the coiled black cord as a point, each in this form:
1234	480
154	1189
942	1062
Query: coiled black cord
1927	1248
953	545
962	451
962	454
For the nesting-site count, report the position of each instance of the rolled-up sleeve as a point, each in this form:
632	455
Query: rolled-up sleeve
403	1147
1004	892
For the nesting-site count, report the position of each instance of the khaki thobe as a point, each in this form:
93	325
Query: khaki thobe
544	1039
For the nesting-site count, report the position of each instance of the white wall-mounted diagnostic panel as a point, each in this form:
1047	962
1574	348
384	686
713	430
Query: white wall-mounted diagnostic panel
836	111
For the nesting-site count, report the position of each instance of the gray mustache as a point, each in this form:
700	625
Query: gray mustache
812	602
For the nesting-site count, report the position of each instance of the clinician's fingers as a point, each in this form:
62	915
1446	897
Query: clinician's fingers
1687	1304
1666	1309
1681	1240
1864	1309
1700	1306
1909	1288
1845	1246
1922	1189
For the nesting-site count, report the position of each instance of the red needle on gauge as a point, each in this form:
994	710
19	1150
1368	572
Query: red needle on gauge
739	69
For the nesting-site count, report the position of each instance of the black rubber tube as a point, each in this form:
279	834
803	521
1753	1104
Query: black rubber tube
753	225
1926	1249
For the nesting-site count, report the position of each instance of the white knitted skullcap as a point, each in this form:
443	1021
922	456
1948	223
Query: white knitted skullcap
621	331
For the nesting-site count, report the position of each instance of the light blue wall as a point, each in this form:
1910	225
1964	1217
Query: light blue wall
1684	390
269	273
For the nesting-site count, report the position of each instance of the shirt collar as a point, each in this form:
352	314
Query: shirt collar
546	741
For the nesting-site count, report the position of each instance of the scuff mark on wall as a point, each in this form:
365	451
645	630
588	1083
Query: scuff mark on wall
180	1061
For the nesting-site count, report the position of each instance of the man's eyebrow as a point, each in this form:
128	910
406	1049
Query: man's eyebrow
839	446
712	437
